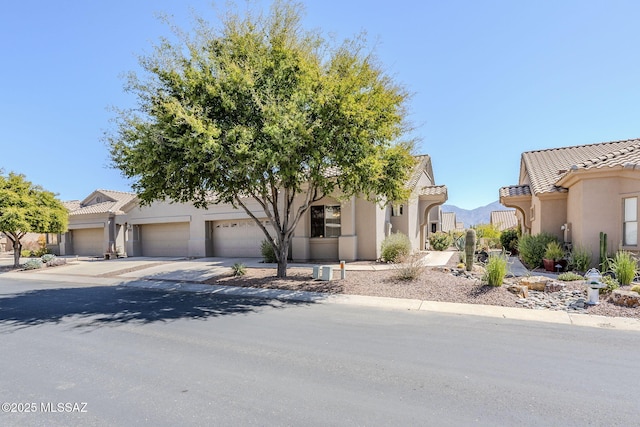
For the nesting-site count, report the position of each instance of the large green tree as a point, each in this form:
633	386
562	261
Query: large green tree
258	108
28	208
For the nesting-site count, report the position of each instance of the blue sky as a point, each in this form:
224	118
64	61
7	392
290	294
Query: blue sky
491	79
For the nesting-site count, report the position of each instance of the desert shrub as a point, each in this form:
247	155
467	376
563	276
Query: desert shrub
624	266
580	258
509	240
33	264
610	284
47	257
636	288
488	234
239	269
54	262
532	248
395	247
553	251
569	276
439	241
410	267
26	253
495	270
268	252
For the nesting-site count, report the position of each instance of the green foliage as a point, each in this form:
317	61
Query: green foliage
257	106
569	276
410	267
532	248
610	283
624	266
509	240
268	252
553	251
469	248
439	241
580	258
239	269
25	208
635	288
33	264
47	257
395	247
495	270
489	234
26	253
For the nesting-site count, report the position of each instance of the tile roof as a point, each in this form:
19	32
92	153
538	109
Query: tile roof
546	167
515	190
504	219
433	190
448	221
118	199
423	164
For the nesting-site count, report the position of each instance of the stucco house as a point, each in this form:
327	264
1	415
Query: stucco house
332	229
577	192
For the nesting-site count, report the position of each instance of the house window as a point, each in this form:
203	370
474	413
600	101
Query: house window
396	210
53	238
630	222
325	221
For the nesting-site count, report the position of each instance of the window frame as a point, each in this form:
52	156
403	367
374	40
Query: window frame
315	218
631	221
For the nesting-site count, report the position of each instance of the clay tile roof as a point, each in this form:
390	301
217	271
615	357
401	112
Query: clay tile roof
515	190
118	199
504	219
546	167
433	190
423	164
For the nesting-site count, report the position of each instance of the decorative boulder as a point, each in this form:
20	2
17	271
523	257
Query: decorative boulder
521	290
553	286
625	298
535	283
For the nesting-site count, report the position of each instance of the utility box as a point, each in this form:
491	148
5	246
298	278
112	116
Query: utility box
327	273
316	272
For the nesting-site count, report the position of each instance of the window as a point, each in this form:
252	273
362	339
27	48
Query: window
53	238
396	210
630	222
325	221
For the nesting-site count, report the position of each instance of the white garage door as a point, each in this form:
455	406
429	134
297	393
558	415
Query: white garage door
170	239
238	238
88	241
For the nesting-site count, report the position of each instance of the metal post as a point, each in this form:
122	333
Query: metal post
343	271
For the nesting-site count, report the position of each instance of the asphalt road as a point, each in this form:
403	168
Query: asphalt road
123	356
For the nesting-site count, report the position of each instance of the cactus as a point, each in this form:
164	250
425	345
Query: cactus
470	248
604	261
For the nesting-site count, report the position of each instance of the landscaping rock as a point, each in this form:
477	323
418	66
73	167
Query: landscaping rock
535	283
625	298
553	286
520	290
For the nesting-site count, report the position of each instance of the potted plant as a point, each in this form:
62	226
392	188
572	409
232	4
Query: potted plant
554	257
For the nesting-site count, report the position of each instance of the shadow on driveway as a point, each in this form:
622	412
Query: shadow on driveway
111	306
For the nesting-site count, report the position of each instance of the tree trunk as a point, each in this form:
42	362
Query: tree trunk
17	249
282	260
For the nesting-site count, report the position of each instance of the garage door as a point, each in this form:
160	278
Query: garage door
237	238
170	239
88	241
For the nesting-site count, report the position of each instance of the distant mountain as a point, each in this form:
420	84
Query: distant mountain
481	215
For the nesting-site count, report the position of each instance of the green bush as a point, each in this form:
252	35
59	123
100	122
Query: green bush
33	264
488	234
580	258
636	288
569	276
47	257
624	266
239	269
26	253
267	251
495	270
610	283
410	267
395	247
532	248
509	240
439	241
553	251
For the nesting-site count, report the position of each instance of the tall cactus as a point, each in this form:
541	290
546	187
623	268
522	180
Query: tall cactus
470	248
604	261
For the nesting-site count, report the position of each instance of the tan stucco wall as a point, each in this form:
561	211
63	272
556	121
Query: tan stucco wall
551	214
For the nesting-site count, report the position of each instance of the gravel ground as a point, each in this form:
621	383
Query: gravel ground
432	285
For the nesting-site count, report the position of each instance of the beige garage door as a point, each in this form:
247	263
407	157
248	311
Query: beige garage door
237	238
88	241
170	239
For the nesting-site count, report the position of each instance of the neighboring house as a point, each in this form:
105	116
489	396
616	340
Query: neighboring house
504	220
450	222
577	192
332	228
